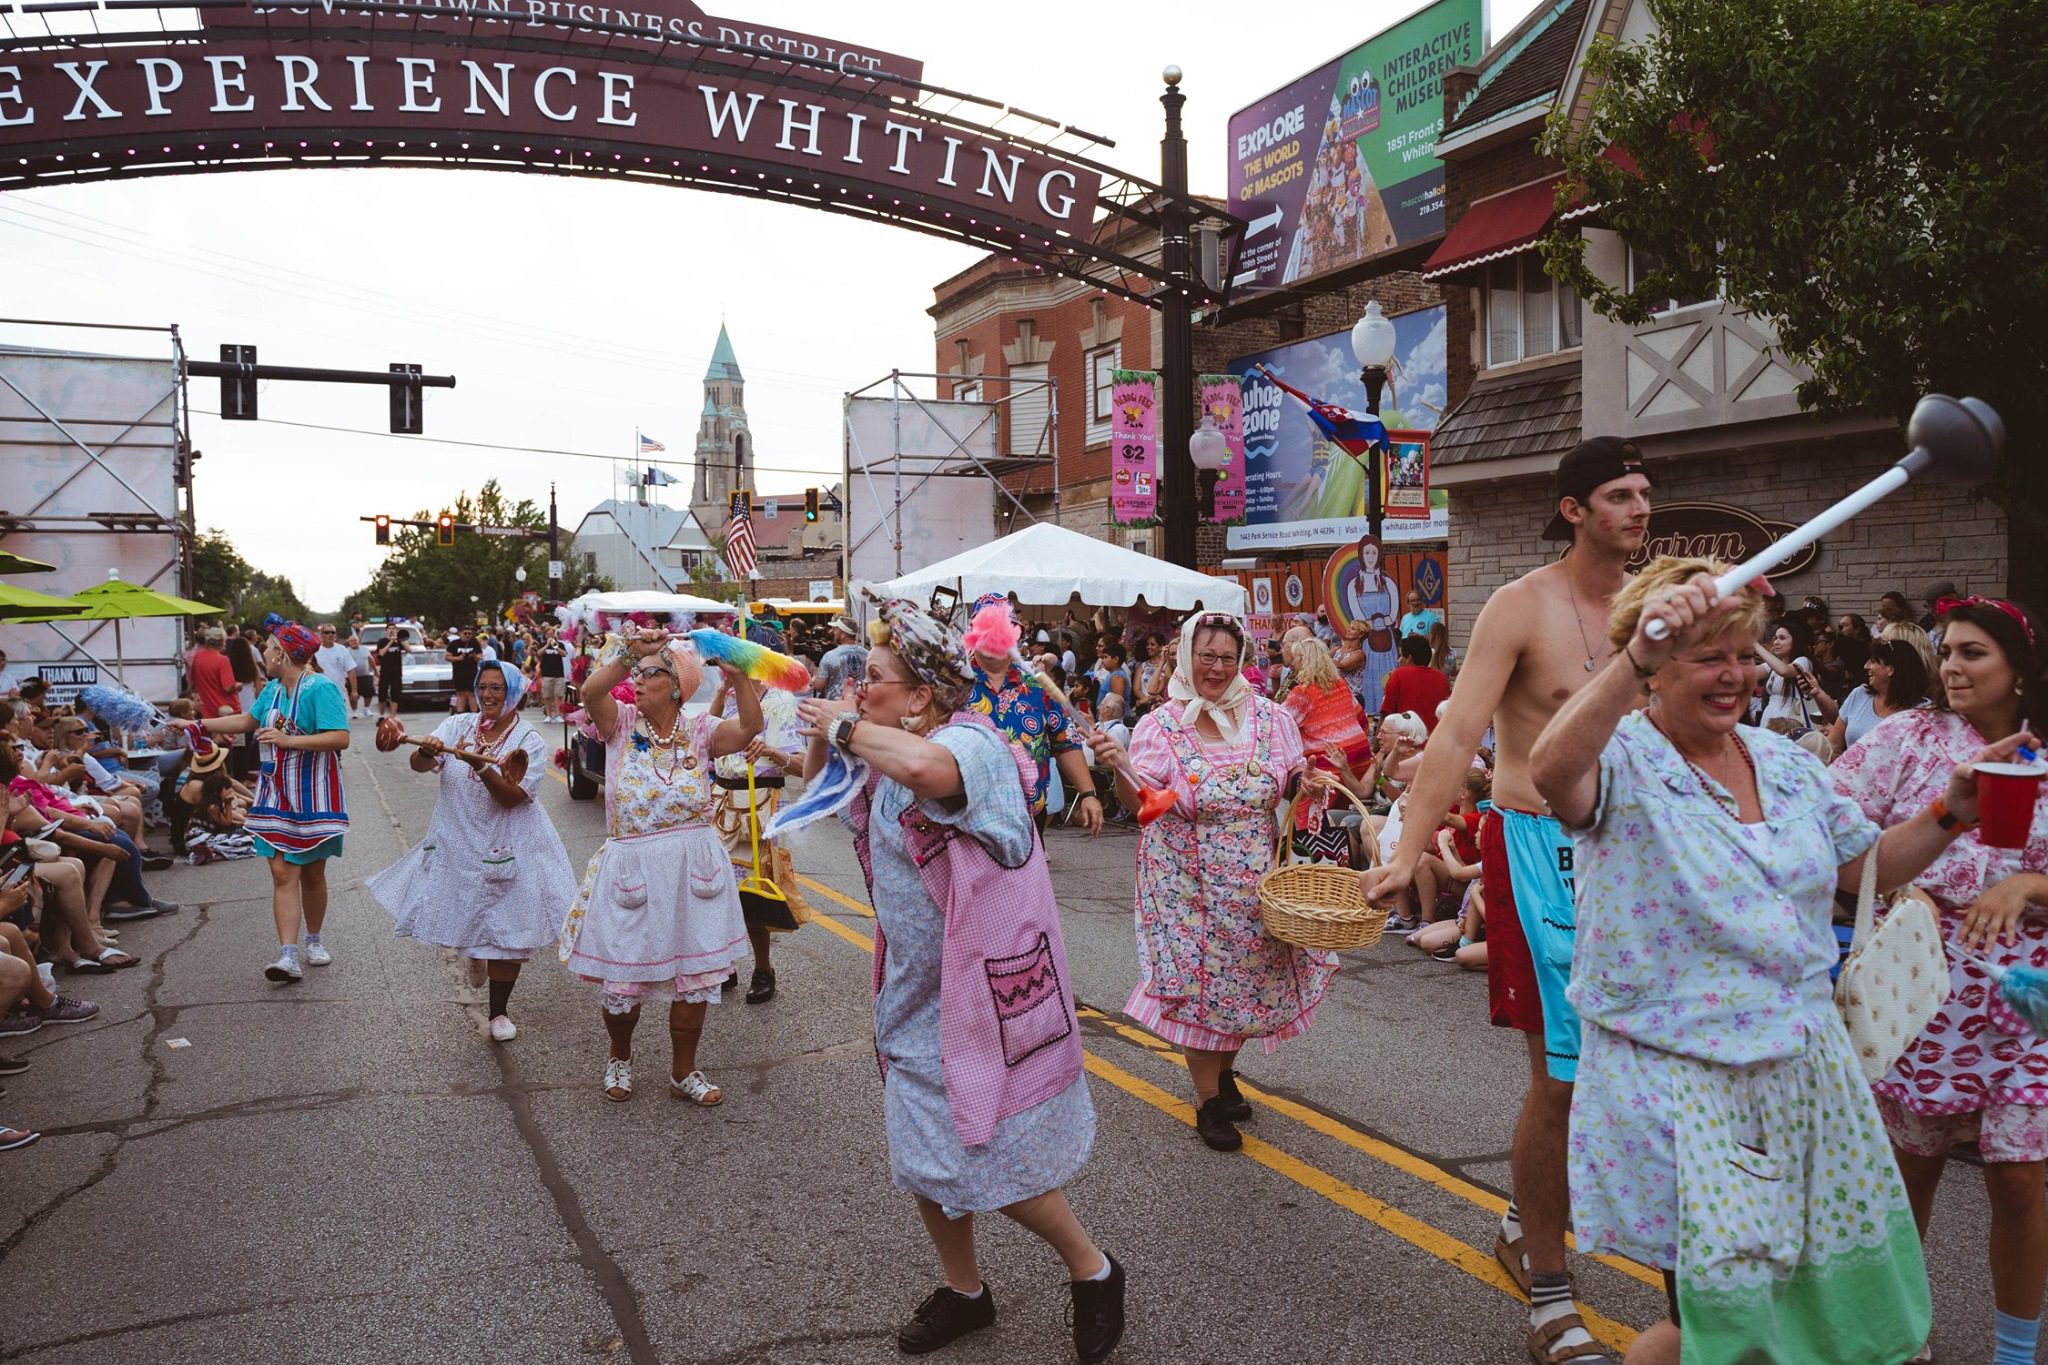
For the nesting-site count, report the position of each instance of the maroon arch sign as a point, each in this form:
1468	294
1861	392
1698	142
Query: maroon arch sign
670	95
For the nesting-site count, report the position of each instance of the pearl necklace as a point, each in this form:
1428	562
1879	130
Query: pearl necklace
681	757
487	747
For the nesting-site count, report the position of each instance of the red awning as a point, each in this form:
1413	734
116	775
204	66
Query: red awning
1493	228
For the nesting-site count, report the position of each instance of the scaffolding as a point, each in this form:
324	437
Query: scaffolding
96	478
901	445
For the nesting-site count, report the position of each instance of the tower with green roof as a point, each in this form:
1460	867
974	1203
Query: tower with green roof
725	447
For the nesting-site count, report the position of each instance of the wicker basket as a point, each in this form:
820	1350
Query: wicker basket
1312	905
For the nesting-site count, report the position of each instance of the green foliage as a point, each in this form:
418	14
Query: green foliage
421	579
1872	175
221	576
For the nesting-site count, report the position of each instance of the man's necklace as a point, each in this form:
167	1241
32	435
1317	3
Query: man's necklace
1584	643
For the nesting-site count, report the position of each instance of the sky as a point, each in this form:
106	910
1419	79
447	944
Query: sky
574	312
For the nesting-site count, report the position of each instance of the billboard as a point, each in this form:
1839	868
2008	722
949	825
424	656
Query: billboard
1335	168
1300	489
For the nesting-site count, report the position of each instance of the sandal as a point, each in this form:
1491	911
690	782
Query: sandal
11	1138
1512	1260
697	1088
618	1079
1544	1350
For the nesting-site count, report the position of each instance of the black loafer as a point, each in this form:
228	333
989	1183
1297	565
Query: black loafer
762	986
1236	1107
1098	1314
1212	1122
948	1315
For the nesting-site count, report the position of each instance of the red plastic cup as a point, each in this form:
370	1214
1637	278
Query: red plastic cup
2006	793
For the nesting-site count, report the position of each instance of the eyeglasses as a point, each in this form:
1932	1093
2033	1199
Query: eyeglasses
865	683
1208	660
643	674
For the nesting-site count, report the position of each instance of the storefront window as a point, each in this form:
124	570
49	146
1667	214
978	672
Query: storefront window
1102	367
1527	313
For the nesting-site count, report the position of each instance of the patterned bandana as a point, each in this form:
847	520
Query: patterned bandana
298	643
928	647
990	599
515	684
1948	604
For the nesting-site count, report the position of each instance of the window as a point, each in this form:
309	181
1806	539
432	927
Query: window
967	393
1527	313
1030	413
1642	264
1102	368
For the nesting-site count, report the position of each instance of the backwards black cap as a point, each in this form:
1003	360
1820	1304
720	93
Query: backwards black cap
1584	468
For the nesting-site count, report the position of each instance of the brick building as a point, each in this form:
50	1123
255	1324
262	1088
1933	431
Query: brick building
1733	457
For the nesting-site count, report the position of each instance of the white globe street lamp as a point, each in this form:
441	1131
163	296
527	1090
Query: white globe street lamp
1209	451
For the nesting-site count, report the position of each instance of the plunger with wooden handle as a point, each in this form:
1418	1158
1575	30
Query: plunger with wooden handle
1955	440
390	735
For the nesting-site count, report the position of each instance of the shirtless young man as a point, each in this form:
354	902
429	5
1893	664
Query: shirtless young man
1538	640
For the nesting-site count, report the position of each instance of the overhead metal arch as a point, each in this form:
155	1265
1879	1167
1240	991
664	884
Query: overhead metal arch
670	97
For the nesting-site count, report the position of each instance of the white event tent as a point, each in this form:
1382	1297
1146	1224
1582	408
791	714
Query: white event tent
1046	565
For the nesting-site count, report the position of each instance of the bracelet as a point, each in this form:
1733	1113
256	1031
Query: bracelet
1642	674
1947	818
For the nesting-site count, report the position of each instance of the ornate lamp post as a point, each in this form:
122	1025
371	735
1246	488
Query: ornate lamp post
1372	345
1209	450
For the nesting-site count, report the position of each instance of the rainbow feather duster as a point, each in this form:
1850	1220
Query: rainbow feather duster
756	661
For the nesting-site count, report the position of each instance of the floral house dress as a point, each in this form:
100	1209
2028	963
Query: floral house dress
1976	1067
658	913
1211	978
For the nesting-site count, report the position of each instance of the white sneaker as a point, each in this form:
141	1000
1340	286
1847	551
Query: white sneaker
285	969
316	955
503	1030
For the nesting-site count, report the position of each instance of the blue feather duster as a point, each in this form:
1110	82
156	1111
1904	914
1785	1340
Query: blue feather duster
121	710
2024	989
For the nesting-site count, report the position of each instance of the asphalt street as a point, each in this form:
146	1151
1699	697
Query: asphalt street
348	1170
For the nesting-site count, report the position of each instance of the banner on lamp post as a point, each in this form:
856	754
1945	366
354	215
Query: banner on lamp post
1223	401
1134	448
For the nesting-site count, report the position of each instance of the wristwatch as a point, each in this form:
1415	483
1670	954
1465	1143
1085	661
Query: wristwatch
842	731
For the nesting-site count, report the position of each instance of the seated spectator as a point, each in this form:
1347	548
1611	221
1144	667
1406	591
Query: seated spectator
93	839
114	794
218	806
1442	876
1894	681
1109	716
1415	685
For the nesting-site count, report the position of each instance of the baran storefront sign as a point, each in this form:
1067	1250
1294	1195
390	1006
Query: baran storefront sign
236	98
1714	530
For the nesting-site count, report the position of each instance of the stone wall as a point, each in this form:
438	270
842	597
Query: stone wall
1906	542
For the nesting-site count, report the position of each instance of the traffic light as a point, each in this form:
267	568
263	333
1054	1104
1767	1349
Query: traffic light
810	504
383	529
406	395
444	531
238	392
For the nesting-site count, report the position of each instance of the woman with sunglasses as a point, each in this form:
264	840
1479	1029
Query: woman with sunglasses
1212	979
970	968
491	877
658	914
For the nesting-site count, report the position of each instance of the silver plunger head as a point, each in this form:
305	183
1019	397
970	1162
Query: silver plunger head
1954	440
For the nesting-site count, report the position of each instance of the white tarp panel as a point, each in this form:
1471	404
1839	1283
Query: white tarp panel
1045	565
83	435
908	501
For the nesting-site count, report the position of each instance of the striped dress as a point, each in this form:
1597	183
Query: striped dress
300	811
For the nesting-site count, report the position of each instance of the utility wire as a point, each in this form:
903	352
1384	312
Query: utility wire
520	450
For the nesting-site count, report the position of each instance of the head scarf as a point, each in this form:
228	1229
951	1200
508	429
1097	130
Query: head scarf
1228	712
298	643
515	683
929	648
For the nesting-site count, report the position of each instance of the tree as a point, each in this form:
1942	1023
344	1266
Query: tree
1871	175
422	578
220	576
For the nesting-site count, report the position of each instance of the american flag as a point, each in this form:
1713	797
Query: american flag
648	445
739	536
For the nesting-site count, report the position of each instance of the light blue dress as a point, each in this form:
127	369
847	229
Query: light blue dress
1031	1153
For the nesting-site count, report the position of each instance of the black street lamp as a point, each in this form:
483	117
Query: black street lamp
1176	336
1372	344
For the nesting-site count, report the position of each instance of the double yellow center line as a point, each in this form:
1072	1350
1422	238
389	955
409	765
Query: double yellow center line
1480	1265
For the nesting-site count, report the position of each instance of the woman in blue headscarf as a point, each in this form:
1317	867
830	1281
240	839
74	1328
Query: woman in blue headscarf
491	877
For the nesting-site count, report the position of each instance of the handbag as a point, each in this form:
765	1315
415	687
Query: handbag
1896	976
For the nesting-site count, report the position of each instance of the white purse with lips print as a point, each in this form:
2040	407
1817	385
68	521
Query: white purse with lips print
1896	976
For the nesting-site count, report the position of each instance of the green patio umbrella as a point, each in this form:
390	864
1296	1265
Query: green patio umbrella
11	562
117	601
17	603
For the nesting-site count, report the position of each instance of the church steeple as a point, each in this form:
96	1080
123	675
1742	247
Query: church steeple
725	453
